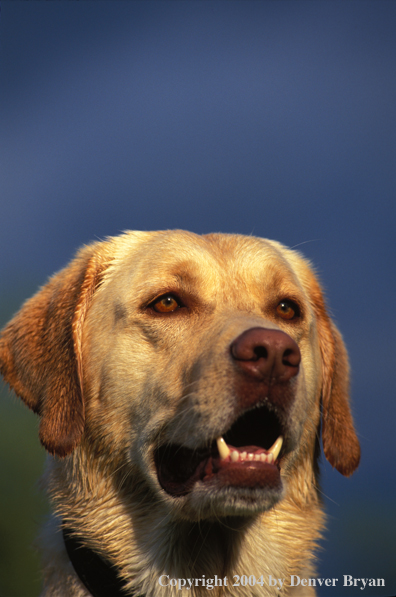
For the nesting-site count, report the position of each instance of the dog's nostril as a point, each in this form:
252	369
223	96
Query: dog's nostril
261	352
291	358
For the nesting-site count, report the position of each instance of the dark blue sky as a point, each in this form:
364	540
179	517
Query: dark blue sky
275	118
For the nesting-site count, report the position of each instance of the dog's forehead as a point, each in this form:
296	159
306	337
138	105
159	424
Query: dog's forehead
210	261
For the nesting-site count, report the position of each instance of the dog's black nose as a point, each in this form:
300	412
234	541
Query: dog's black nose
266	355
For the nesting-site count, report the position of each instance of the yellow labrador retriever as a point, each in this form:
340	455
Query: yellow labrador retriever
182	382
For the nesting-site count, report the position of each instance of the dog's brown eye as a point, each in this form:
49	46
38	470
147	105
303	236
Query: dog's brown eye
166	304
288	310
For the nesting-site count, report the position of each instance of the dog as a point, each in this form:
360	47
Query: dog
182	384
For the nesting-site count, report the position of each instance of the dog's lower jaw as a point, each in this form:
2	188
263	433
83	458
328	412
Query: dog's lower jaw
214	503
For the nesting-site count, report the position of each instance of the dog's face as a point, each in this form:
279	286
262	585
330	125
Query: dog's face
197	363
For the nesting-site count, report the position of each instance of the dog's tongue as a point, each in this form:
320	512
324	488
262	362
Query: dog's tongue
252	474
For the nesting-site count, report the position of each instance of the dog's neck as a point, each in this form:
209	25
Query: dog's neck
143	546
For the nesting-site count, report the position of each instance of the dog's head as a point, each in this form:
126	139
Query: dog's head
201	363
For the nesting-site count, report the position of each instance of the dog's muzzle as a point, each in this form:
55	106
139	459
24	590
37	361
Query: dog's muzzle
249	453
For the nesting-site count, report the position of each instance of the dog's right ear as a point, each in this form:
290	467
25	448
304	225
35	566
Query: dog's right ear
340	443
40	350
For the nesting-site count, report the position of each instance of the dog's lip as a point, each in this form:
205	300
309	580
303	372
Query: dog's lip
223	463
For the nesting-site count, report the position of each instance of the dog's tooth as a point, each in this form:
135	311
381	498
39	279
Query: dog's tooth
250	456
222	447
257	457
276	448
234	456
270	458
263	457
243	455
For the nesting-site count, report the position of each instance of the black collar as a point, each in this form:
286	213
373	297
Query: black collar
99	576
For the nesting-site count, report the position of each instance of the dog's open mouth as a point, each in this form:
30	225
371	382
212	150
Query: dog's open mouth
248	455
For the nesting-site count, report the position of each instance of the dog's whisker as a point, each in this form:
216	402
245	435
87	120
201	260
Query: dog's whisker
319	490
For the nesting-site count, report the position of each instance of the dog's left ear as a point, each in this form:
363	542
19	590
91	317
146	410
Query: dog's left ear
41	355
340	443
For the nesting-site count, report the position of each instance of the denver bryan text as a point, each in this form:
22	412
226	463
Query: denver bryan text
347	581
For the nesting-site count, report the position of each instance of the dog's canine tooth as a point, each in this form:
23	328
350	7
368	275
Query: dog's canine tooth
276	448
222	447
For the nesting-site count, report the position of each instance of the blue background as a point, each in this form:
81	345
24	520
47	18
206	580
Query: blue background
272	118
